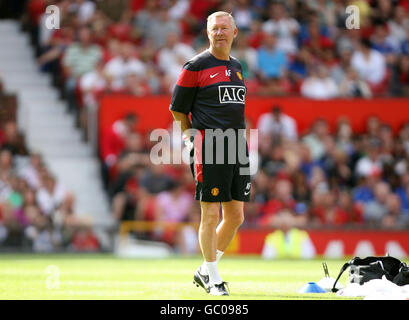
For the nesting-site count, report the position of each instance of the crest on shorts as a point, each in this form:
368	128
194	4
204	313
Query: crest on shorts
215	192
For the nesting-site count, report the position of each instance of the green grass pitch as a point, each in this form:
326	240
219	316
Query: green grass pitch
104	276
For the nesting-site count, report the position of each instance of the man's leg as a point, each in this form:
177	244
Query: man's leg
207	230
208	238
233	217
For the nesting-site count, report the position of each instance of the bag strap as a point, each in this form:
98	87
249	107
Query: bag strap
359	261
344	267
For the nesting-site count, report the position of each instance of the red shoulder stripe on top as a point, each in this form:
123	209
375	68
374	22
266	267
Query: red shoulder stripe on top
188	78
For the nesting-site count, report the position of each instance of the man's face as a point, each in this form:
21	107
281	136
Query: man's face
85	36
221	33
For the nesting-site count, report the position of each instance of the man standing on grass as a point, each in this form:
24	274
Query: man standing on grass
211	88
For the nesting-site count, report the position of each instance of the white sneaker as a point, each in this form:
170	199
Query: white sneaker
220	289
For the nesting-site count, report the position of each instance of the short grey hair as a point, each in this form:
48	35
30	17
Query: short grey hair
221	14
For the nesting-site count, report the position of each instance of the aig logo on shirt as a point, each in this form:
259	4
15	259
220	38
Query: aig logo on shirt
232	94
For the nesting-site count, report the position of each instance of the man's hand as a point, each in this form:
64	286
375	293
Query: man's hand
188	141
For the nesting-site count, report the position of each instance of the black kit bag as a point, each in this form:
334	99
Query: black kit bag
403	276
369	268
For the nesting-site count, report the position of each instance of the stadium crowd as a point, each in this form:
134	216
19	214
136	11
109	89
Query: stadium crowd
316	178
311	179
36	211
286	47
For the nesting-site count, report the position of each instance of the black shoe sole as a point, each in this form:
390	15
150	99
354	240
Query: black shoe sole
199	283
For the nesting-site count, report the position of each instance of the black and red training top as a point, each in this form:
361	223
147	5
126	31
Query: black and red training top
213	91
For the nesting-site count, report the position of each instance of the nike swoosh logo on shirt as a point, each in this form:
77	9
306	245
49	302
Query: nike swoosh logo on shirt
246	193
213	75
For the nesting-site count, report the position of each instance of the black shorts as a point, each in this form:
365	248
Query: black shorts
220	166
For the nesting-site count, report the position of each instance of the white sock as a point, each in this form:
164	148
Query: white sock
203	268
214	277
219	254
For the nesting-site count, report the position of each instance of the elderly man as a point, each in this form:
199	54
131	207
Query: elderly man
211	88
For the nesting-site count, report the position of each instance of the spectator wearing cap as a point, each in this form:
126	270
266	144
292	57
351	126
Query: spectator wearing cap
278	124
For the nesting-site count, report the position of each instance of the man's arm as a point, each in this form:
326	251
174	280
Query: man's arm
182	119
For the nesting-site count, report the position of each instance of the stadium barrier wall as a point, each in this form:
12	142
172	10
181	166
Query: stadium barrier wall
331	243
153	111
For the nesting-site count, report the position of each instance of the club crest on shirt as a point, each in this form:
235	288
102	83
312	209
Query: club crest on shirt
215	192
239	75
232	94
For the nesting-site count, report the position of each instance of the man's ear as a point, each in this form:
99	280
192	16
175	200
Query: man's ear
236	32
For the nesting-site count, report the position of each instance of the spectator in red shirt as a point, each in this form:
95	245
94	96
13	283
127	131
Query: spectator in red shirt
345	212
195	18
282	199
113	142
85	240
322	205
